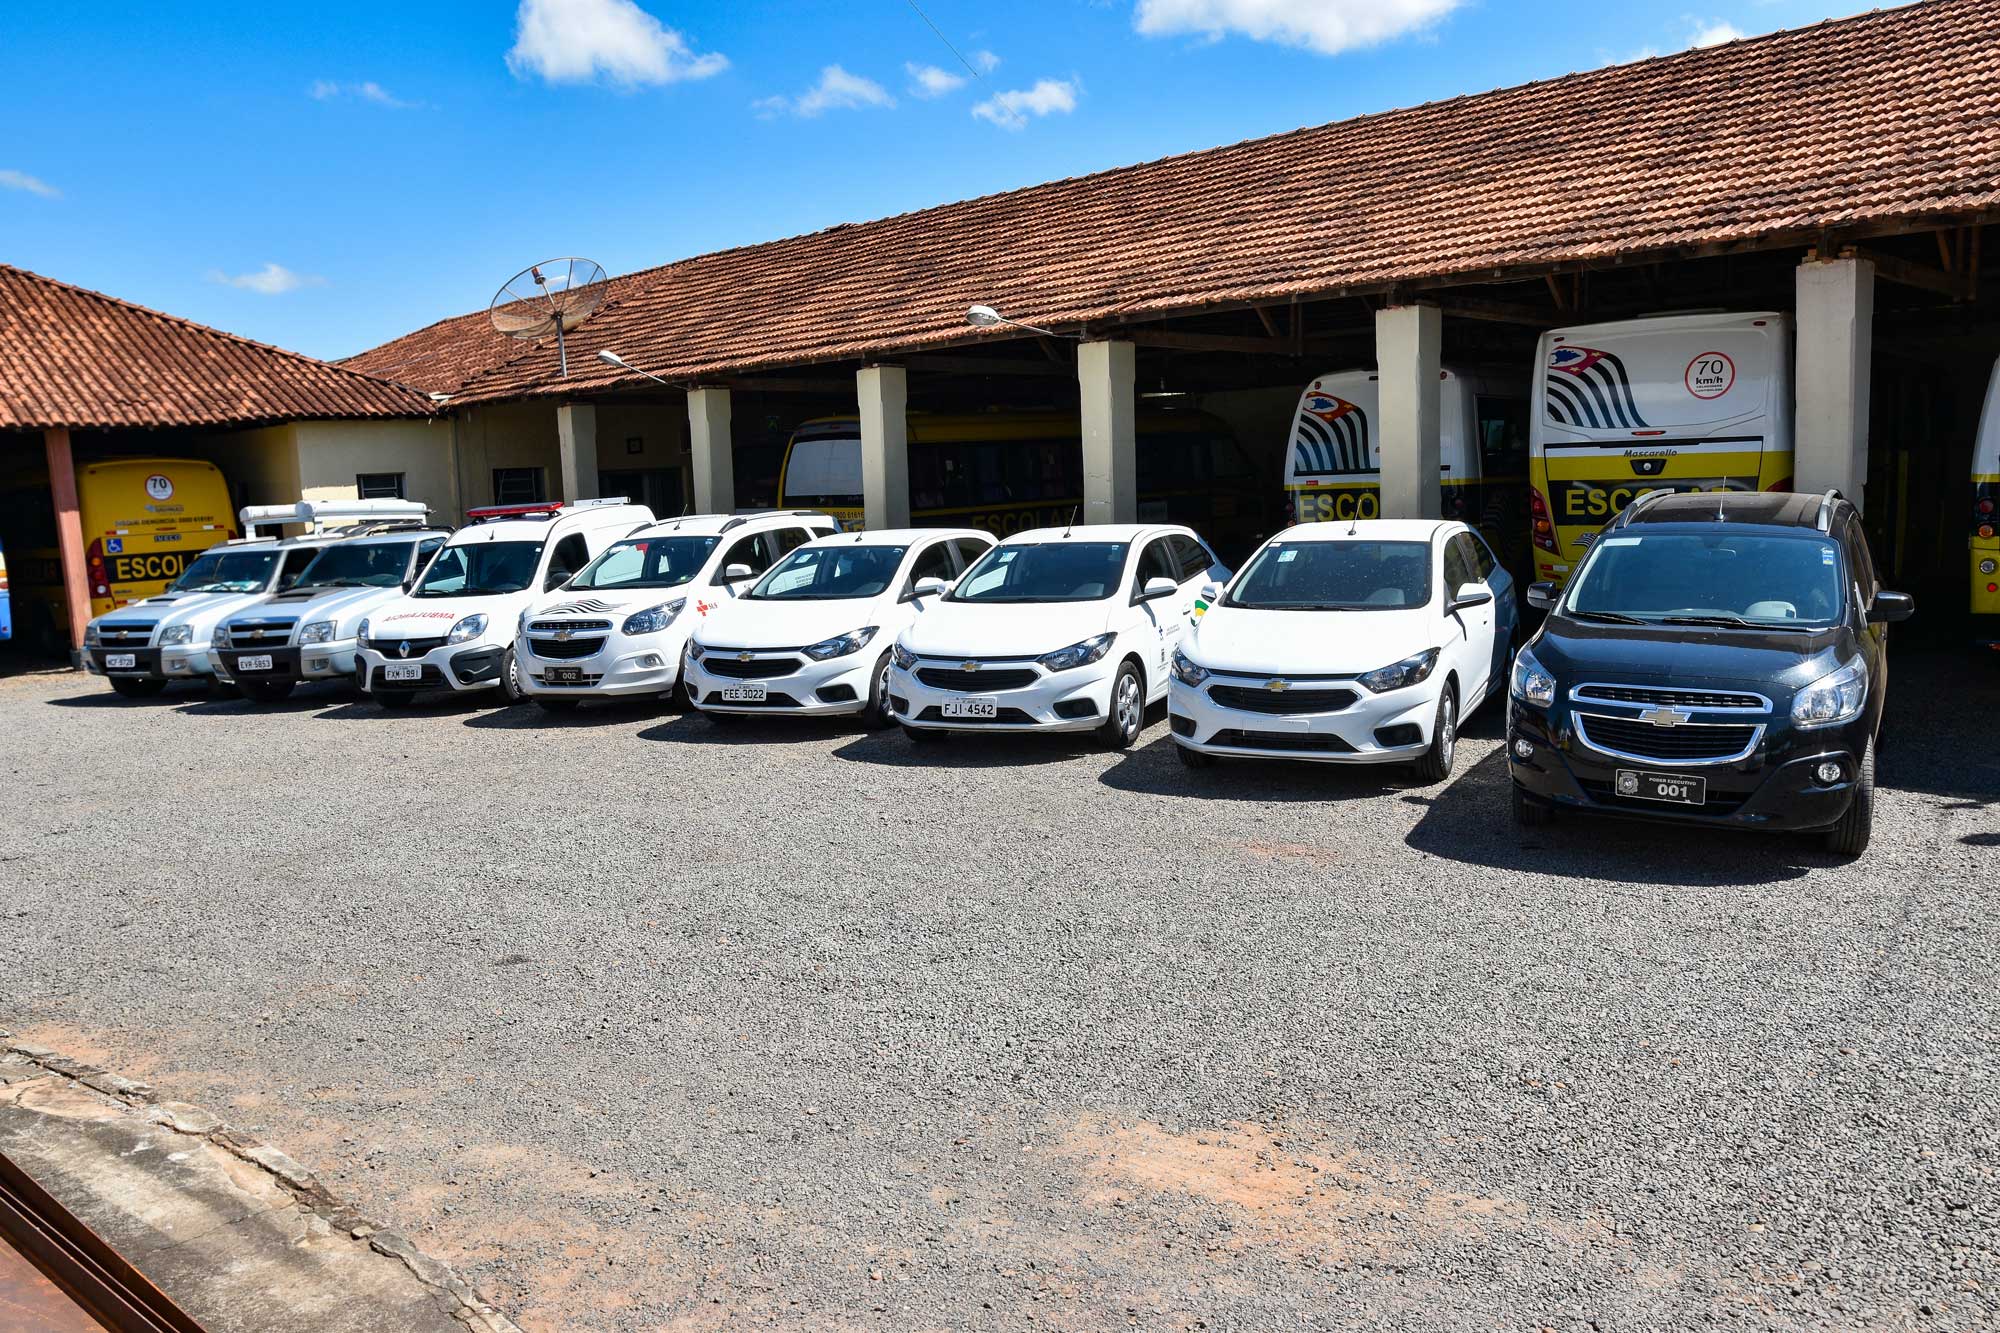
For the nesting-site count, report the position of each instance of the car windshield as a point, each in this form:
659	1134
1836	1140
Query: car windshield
1339	575
357	565
228	571
480	569
647	562
1058	571
830	573
1723	576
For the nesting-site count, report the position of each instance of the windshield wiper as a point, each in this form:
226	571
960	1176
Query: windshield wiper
1730	621
1608	617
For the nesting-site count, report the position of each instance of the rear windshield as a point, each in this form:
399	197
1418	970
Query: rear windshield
1335	576
358	565
480	570
830	573
1762	578
228	571
1063	571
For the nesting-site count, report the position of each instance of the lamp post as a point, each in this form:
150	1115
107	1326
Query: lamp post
986	317
611	358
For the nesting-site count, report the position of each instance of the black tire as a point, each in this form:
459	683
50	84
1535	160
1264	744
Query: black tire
877	715
1436	763
137	687
394	699
1530	813
266	691
1192	758
1850	836
1126	717
722	719
510	678
678	699
548	705
924	735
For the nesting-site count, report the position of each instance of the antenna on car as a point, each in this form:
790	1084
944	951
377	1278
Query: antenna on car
1072	520
1354	524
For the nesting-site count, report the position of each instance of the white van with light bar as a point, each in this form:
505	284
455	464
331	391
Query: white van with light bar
454	628
620	628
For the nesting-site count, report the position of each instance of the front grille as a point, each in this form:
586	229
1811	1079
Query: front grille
124	636
976	682
551	626
757	668
1005	715
255	634
1648	696
1689	742
565	649
768	701
1302	742
393	648
1247	699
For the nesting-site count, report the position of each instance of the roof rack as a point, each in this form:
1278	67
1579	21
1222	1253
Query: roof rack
1625	518
1824	521
744	516
391	525
314	514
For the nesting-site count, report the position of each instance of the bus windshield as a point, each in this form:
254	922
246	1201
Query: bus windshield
1335	576
647	562
1062	571
481	570
1669	578
228	571
830	573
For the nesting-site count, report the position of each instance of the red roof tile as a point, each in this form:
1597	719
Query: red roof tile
73	357
1886	118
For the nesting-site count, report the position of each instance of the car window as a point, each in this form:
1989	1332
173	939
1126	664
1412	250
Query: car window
1864	562
647	562
1482	555
933	562
427	549
754	551
296	561
1055	571
969	551
1765	578
791	539
1458	571
1156	562
1194	558
1347	575
571	555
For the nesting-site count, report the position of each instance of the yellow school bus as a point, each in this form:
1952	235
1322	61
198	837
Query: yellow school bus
143	520
1675	402
1985	539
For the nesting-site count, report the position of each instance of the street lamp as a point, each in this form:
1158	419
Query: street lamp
611	358
985	317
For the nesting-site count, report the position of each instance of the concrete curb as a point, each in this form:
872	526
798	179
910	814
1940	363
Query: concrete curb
467	1306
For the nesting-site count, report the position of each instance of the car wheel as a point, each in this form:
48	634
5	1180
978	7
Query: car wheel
877	715
393	701
1435	766
1530	813
1128	709
924	735
137	687
1850	836
266	691
1191	758
510	679
722	719
679	698
548	705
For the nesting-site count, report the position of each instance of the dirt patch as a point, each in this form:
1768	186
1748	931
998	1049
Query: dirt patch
1278	853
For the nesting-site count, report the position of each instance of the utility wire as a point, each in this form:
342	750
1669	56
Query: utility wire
946	40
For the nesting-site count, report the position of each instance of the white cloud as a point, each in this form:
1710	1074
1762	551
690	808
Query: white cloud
21	180
325	90
576	41
1326	26
1714	32
270	280
1010	110
836	90
930	81
986	60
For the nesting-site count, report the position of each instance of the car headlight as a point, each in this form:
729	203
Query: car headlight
654	618
361	630
90	638
320	631
176	634
218	637
1078	654
1530	682
1410	671
469	628
1834	698
696	649
840	645
904	657
1186	670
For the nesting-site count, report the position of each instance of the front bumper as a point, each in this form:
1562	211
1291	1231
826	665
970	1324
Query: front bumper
459	666
186	661
1774	787
1344	724
836	686
1074	700
640	664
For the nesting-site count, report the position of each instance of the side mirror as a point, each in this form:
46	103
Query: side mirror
736	573
1469	594
926	588
1211	593
409	583
1542	596
1889	607
1155	589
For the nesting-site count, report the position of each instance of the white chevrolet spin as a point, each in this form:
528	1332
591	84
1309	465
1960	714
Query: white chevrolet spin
813	636
1360	642
454	630
620	628
1058	629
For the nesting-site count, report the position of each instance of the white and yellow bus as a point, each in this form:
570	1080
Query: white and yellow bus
1985	538
1674	402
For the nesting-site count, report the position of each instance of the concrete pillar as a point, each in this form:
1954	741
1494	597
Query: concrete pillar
1105	375
1836	304
884	393
709	452
1408	349
77	591
576	433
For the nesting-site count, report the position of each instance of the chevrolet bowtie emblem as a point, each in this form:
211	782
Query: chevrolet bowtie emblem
565	634
257	633
742	657
1663	717
968	666
1277	686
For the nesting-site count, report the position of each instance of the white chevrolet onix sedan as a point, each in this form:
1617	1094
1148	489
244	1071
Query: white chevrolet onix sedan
1058	629
813	636
1361	642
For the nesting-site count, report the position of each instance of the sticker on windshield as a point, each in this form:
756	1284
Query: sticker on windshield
1826	555
1618	541
1286	557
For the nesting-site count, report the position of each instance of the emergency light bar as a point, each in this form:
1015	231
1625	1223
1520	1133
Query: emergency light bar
484	512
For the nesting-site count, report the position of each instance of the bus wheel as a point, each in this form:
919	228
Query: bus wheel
137	687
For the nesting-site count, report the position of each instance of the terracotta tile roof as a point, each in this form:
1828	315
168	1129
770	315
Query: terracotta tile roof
73	357
1889	117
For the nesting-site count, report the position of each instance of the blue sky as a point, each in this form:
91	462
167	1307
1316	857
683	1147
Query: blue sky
326	177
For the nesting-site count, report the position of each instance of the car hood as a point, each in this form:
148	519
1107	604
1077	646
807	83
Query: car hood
166	606
1751	659
341	605
782	624
201	611
1308	643
1006	629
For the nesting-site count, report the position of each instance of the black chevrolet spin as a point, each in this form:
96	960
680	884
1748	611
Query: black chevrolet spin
1718	658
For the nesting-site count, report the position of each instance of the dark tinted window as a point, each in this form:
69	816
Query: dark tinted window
296	561
1763	577
754	551
1482	555
791	539
571	556
1503	435
933	562
1157	562
1193	557
1459	567
1058	571
1356	575
969	551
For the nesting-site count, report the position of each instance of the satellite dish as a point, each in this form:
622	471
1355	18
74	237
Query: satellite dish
554	296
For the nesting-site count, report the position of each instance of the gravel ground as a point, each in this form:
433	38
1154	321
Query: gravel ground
642	1022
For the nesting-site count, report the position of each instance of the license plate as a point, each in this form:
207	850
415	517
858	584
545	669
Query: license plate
986	706
403	671
120	661
744	694
1661	787
563	675
260	662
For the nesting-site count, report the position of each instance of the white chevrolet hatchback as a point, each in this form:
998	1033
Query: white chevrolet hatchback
813	635
1058	629
1353	643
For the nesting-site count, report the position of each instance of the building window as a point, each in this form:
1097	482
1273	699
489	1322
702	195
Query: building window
518	486
380	486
